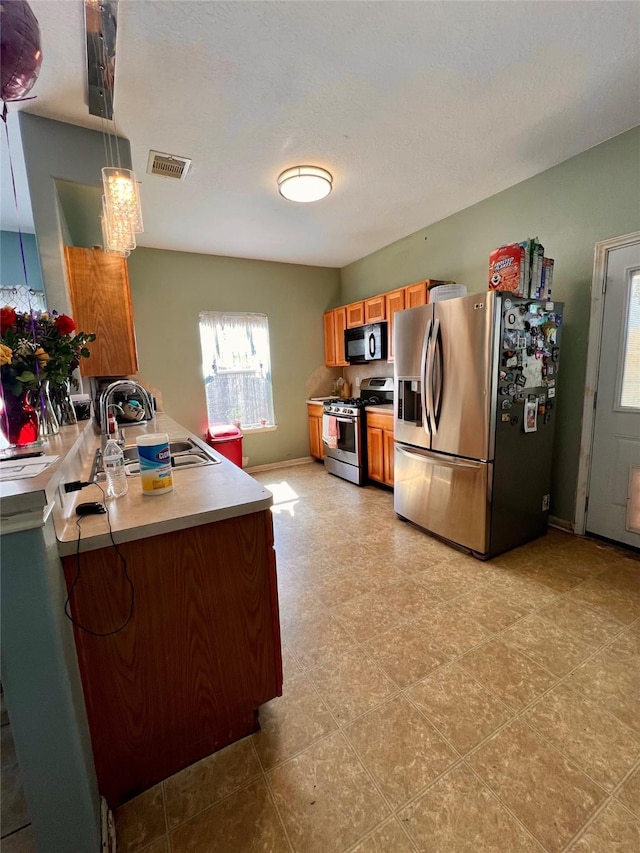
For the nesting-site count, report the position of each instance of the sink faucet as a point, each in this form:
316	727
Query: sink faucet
106	401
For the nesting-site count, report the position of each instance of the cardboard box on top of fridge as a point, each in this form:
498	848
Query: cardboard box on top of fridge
521	269
507	269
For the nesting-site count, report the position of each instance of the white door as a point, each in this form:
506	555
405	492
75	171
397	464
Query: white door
613	508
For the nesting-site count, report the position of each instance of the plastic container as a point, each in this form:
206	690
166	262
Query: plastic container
442	292
113	463
155	463
227	440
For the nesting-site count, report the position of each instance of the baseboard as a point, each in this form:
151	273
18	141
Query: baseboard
290	463
561	524
107	828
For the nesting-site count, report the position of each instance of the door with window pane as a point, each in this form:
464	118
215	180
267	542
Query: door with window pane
614	487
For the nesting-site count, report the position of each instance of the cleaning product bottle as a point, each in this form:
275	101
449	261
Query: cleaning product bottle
113	462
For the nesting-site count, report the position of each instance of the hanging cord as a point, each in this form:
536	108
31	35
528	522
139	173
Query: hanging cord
24	267
67	603
15	200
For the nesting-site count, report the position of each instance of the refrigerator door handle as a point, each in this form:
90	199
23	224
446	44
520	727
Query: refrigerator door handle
451	461
429	377
438	370
423	376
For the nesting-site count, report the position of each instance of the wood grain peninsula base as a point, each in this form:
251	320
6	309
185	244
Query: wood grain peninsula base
199	656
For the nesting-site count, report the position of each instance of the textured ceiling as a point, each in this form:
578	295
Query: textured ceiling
419	109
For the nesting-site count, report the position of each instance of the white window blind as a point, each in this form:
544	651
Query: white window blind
237	368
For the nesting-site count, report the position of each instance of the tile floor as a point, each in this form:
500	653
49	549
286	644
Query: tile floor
15	828
431	702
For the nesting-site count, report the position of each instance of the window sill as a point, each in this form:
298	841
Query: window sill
255	429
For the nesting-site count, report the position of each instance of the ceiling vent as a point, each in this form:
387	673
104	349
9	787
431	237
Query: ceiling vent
168	165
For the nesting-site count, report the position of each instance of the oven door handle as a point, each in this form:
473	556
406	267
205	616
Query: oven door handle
343	420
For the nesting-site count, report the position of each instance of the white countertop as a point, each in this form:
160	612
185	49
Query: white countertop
381	408
200	495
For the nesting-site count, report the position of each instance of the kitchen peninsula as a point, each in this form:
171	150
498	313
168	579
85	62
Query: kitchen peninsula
201	651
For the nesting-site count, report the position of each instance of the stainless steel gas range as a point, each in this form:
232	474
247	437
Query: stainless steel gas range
344	430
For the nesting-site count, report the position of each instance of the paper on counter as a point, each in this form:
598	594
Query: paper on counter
22	469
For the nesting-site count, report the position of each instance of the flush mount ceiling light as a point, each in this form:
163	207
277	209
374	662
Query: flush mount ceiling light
305	183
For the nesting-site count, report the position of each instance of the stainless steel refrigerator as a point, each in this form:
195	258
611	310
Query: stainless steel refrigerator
475	383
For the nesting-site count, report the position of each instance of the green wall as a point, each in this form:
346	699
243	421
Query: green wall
57	151
591	197
170	289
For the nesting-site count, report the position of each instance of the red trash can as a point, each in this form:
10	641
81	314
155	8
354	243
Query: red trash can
227	440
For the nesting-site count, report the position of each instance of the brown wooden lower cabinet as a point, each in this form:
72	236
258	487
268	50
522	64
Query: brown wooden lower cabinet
316	446
380	447
199	656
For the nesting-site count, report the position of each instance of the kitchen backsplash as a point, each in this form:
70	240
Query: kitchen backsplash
366	371
320	383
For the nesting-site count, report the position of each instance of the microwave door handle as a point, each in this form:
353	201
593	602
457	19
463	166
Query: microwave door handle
372	345
423	379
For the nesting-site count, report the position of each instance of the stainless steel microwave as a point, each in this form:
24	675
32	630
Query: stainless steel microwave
366	343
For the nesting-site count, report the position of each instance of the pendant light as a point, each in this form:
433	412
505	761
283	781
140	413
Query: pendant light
121	215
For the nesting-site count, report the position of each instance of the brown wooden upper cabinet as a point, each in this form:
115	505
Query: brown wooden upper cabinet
396	301
330	338
355	315
335	322
101	303
375	309
416	294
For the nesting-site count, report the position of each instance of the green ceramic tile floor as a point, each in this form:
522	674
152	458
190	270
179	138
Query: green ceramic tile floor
431	702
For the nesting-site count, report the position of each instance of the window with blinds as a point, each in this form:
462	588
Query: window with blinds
237	369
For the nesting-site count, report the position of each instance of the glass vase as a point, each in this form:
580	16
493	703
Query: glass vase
18	418
62	405
47	420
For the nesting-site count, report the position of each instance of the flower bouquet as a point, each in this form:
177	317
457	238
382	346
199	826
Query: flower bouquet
38	353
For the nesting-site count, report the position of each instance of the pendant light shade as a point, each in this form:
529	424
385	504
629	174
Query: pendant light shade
122	197
305	183
118	235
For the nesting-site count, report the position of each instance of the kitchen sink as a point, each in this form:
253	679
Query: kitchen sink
184	454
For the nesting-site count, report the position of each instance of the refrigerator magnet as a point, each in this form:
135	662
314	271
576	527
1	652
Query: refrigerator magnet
531	415
506	419
552	393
